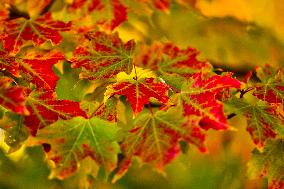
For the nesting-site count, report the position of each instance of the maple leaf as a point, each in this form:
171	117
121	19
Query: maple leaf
18	32
12	97
155	138
138	89
73	140
271	88
45	109
171	61
36	67
263	121
103	56
199	97
269	163
15	131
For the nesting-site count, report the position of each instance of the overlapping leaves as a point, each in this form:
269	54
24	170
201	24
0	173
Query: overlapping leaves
18	32
155	138
67	143
173	95
265	117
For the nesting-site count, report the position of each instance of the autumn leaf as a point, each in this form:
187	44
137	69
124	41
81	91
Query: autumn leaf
33	66
155	138
12	97
73	140
103	56
269	163
263	122
138	88
271	87
18	32
169	58
45	109
199	97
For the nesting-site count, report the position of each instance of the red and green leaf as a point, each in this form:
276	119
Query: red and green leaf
139	90
104	56
45	109
18	32
263	120
168	58
68	142
271	87
155	138
199	97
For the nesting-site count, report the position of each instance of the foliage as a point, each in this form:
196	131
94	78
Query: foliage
96	101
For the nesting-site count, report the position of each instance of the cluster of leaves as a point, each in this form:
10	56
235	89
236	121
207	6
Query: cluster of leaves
94	102
263	108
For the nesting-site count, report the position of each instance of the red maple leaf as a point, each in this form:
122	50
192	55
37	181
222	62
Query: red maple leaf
33	66
21	30
103	56
199	98
168	58
12	97
139	92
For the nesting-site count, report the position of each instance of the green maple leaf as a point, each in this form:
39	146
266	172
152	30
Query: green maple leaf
263	123
67	143
155	139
